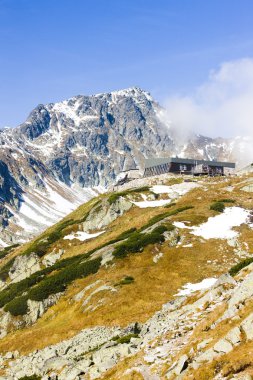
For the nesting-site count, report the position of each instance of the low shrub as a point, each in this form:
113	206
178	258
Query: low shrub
170	227
14	300
217	206
58	282
164	215
137	241
18	306
7	250
242	264
126	234
41	246
169	205
115	196
18	288
126	281
124	339
32	377
226	200
4	271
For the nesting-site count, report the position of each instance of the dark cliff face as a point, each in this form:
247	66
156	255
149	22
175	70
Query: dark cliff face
10	190
37	123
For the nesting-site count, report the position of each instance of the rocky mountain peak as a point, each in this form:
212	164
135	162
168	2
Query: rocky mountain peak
85	142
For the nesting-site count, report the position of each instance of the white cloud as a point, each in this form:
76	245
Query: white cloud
222	106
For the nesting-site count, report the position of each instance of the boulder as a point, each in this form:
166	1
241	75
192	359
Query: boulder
207	356
55	363
5	320
37	308
178	367
181	365
247	326
52	257
243	292
24	266
101	216
234	336
223	346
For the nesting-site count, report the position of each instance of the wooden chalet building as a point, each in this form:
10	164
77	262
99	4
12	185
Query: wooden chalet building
156	166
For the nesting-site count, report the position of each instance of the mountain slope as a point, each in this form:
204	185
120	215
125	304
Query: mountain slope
118	288
71	147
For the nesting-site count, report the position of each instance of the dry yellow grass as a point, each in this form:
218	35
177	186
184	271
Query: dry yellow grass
154	284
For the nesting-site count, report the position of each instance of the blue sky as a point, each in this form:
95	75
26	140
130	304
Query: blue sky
53	49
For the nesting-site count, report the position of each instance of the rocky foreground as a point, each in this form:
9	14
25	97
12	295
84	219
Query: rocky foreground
150	282
165	347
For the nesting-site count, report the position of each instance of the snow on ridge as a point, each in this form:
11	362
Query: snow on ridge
71	112
145	204
3	244
82	236
134	92
40	209
176	190
191	288
219	226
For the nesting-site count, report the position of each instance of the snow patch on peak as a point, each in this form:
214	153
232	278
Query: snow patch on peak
133	92
70	111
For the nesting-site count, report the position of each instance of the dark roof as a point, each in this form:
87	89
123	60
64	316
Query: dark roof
151	162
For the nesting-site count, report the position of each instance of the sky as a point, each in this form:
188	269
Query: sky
189	54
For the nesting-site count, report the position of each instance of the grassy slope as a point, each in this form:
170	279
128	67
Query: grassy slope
154	284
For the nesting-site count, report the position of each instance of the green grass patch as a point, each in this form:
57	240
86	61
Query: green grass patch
58	282
4	252
115	196
226	200
125	338
18	288
18	306
169	205
126	281
242	264
4	271
217	206
137	241
164	215
53	284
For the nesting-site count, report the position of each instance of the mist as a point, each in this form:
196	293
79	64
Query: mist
220	107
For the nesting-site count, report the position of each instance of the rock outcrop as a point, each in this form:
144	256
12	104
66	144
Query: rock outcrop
24	266
105	213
